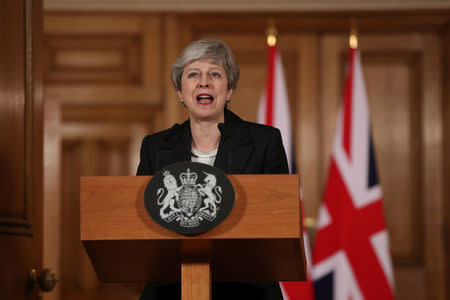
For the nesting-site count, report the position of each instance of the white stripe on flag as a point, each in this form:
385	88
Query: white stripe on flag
281	112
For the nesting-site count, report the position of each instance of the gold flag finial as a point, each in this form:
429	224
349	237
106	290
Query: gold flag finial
353	41
271	33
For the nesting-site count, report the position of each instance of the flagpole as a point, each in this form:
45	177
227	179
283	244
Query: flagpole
353	40
271	33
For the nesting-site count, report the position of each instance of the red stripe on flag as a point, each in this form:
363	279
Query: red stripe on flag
299	290
270	84
348	98
350	230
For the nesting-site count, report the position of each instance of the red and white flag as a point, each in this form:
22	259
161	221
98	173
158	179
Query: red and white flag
274	111
351	251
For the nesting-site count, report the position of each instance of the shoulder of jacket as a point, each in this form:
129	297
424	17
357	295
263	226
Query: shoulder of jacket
257	128
164	135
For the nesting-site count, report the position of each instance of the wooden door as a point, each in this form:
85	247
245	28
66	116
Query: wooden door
20	147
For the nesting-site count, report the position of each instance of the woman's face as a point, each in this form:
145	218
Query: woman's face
204	90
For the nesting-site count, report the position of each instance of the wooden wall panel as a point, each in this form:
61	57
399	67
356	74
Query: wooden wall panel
103	58
52	192
176	38
70	260
93	59
432	164
394	84
104	72
446	115
81	157
98	113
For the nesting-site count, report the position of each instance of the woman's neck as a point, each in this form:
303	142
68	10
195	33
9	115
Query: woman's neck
205	135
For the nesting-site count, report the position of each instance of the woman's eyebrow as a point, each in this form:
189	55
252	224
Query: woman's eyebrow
192	69
198	69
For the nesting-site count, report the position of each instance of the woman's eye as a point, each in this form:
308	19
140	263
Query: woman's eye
217	75
192	75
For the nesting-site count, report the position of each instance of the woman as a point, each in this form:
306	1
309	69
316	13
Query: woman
205	75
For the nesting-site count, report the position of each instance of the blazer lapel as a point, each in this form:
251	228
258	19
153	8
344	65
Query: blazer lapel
177	147
235	145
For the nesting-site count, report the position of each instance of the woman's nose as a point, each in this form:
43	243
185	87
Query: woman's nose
204	82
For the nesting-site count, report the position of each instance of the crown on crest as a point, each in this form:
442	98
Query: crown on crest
188	177
166	173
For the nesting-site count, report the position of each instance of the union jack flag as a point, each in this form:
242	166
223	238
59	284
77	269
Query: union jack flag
351	252
274	110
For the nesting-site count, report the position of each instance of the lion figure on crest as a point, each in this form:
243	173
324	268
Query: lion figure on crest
172	195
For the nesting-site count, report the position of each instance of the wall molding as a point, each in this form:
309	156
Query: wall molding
241	5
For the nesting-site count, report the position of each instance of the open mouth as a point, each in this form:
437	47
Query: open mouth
205	99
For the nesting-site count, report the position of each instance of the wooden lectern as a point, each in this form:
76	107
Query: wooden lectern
261	239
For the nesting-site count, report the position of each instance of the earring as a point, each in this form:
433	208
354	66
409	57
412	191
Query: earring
228	100
181	100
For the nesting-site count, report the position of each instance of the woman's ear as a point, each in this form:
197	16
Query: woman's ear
179	94
230	93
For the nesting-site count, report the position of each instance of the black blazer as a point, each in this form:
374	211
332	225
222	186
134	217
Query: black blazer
244	148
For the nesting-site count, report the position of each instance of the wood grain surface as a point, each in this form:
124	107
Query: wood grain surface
195	281
260	238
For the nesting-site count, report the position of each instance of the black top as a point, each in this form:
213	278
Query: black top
244	148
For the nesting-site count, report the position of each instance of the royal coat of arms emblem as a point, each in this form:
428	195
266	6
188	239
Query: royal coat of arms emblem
194	199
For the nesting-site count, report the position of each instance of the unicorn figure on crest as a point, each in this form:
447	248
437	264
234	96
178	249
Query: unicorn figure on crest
212	192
